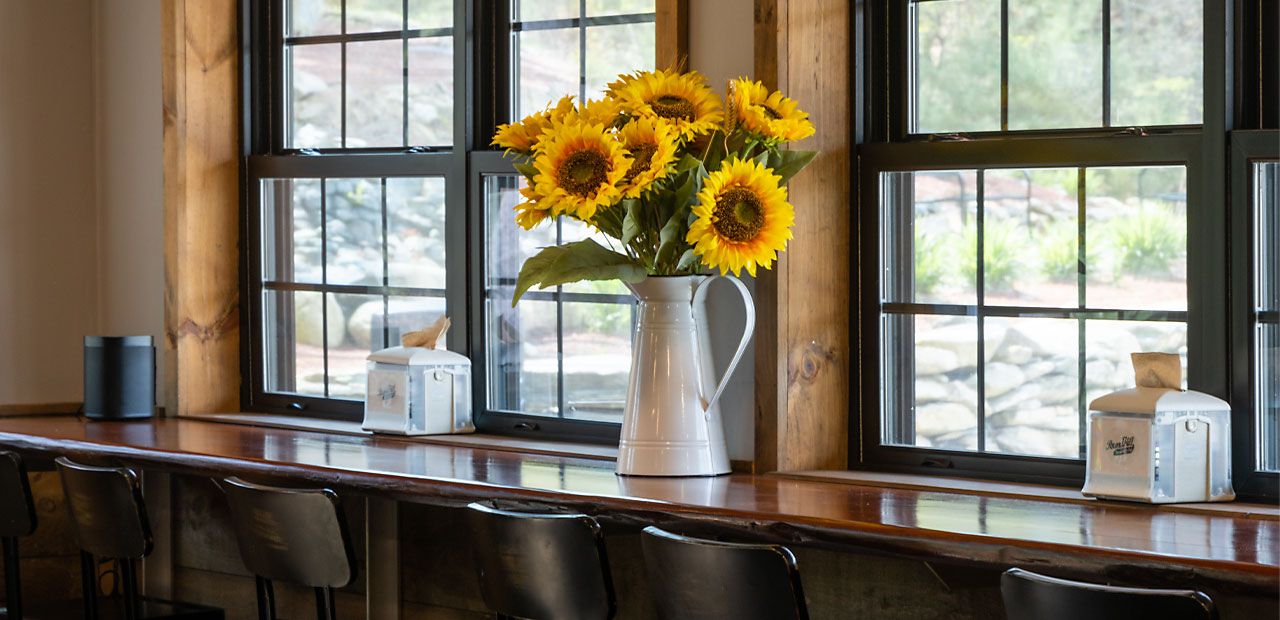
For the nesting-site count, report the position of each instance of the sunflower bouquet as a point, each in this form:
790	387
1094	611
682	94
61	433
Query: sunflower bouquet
675	180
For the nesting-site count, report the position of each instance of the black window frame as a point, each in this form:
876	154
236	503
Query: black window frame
882	55
483	83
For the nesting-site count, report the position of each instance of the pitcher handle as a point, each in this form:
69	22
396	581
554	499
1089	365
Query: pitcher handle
699	296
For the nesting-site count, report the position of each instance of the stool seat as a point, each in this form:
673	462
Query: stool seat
541	566
1031	596
697	579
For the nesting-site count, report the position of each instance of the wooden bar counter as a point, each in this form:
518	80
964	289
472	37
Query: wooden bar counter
1232	551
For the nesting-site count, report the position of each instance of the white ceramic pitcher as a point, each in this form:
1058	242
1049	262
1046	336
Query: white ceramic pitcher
671	424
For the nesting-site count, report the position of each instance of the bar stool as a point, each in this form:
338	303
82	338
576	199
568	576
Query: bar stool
17	518
1030	596
110	521
696	579
297	536
541	566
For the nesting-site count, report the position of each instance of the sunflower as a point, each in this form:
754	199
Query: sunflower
683	99
523	137
771	116
579	166
651	143
743	218
529	214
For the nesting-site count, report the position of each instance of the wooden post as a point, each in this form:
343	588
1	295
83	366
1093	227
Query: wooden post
803	304
201	206
672	36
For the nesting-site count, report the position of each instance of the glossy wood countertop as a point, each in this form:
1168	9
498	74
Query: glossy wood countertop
1112	541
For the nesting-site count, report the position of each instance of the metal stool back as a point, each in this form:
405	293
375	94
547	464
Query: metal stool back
1030	596
297	536
541	566
17	518
696	579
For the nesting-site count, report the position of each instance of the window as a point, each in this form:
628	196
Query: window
1039	199
373	207
1266	342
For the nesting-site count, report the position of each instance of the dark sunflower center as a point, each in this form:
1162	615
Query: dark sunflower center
673	106
641	155
739	214
773	114
582	172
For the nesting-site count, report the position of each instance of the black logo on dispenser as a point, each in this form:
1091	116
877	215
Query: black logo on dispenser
1122	447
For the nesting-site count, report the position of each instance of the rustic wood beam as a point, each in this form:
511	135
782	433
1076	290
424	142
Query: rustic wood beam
201	205
672	37
802	336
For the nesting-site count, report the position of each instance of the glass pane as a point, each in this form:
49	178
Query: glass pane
351	319
431	91
291	230
930	395
939	263
524	361
617	49
1136	238
549	69
1109	343
294	342
530	10
416	232
1032	386
1030	238
574	230
957	66
1157	67
353	212
411	314
424	14
618	7
313	17
1055	64
508	245
1268	395
315	95
375	94
1266	200
597	360
374	15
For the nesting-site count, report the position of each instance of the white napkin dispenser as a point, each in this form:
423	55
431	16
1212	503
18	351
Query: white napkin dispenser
418	391
1159	445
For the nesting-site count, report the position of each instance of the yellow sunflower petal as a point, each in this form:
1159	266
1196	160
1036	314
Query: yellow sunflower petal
651	143
768	116
683	99
579	166
743	218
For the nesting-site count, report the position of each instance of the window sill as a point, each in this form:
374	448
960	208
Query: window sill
1029	492
492	442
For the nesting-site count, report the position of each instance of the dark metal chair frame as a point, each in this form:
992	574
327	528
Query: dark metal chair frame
1029	595
17	519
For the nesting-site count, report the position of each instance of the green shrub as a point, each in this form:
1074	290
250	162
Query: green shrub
1147	243
1059	256
933	261
1003	254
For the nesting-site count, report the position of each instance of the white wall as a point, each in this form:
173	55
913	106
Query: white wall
81	248
721	48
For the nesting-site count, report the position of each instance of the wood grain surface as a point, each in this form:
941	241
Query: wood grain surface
1099	540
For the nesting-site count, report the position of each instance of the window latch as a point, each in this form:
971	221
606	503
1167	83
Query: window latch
937	461
419	149
308	152
526	426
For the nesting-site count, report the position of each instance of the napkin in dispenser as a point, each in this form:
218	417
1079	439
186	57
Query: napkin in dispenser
1158	443
417	388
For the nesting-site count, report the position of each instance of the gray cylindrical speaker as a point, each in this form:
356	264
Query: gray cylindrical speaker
119	377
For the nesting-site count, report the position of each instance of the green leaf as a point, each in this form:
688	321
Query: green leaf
761	159
528	170
688	162
715	151
609	220
669	239
571	262
687	260
788	163
631	222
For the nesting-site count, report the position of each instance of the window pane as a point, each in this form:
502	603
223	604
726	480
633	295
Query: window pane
291	230
350	340
1055	64
416	232
314	84
375	94
530	10
411	314
1108	344
617	49
1266	201
549	69
374	15
957	66
523	356
1030	238
618	7
430	74
313	17
1032	386
1136	238
353	212
930	243
293	339
930	395
597	360
424	14
1157	66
